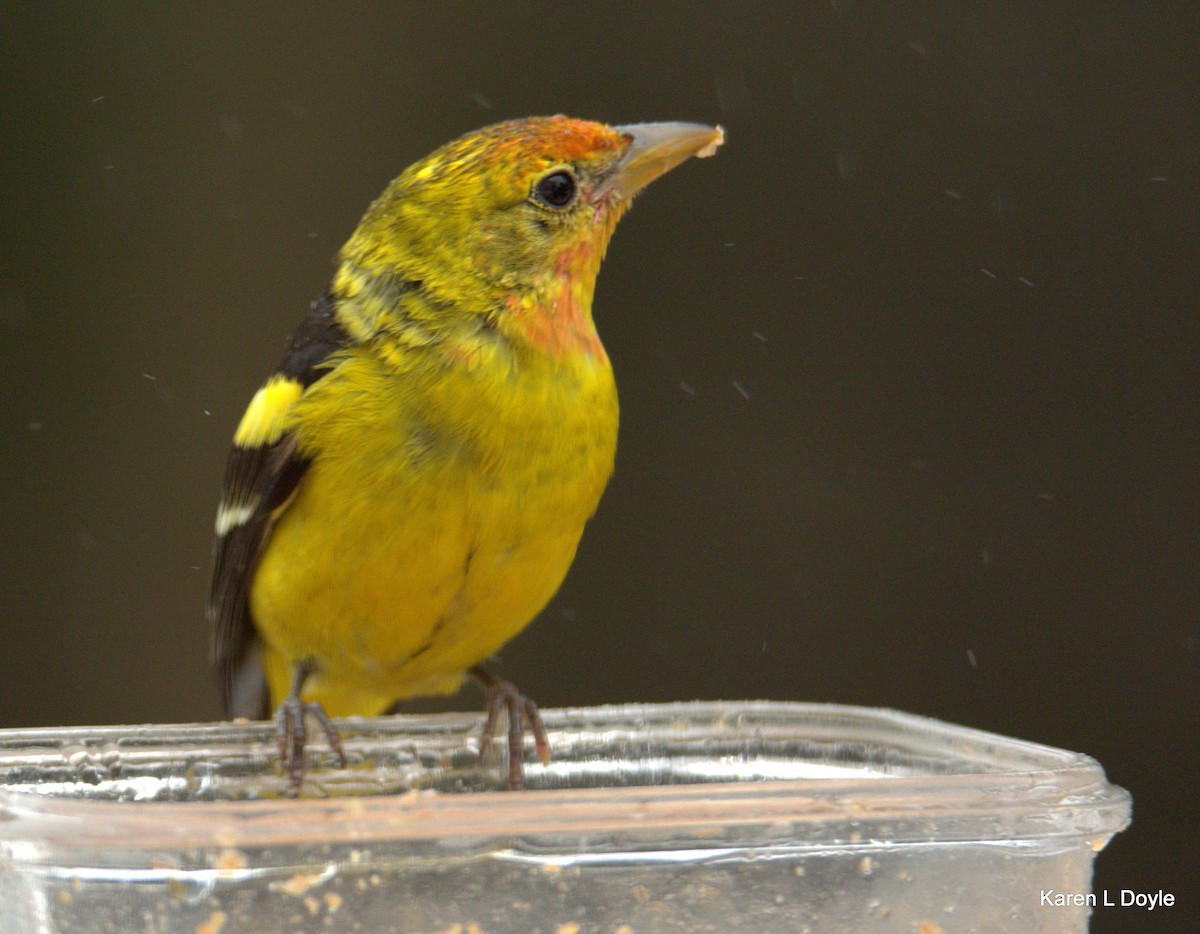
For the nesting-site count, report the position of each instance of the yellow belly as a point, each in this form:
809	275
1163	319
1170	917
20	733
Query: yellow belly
441	512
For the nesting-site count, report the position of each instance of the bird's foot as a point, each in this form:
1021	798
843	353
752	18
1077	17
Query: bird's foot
291	735
503	695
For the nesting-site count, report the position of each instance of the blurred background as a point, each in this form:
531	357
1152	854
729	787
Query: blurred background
908	373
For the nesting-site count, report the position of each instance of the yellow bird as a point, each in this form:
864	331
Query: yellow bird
407	491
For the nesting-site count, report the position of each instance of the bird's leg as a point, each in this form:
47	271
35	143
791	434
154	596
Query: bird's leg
291	735
503	695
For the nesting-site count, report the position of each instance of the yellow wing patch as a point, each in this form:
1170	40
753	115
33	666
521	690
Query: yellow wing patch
266	417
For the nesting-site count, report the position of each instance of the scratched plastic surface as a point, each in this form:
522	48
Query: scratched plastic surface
741	816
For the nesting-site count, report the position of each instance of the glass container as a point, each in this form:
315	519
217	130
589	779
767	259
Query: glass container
736	816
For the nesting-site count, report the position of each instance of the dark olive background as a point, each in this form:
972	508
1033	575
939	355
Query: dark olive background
949	256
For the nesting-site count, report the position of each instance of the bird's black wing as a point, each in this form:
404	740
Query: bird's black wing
260	479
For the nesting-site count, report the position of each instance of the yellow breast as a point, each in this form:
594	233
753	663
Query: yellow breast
441	511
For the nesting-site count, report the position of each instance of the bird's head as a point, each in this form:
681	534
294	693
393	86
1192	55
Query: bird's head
511	221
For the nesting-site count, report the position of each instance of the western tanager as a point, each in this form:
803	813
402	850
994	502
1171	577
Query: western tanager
408	489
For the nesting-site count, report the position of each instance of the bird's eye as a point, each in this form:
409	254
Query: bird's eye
556	190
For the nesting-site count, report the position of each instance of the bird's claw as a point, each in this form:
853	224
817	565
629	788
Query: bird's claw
501	695
291	736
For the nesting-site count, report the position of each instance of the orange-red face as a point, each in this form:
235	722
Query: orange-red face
520	213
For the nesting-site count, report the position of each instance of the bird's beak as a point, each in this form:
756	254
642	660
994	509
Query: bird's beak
656	148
